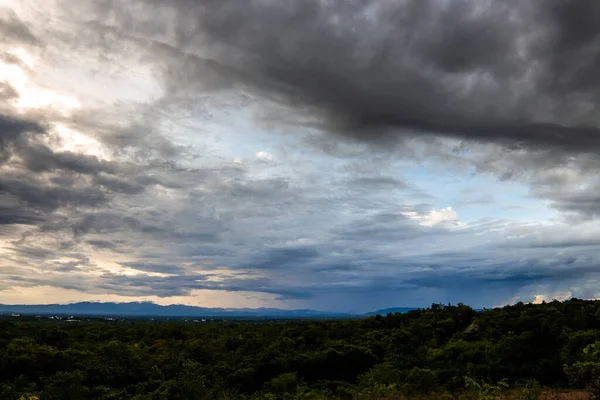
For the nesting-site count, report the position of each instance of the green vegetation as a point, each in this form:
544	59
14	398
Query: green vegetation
449	350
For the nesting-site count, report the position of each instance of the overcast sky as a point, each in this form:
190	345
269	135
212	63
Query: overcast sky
341	155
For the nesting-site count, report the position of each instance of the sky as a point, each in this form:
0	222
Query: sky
341	155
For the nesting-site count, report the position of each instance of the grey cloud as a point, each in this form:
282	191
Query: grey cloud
37	181
103	244
175	285
150	226
284	258
586	202
172	285
7	92
10	58
371	183
384	226
39	158
515	74
13	29
38	195
209	232
35	252
12	212
203	251
11	216
514	274
257	188
67	267
494	71
13	129
505	73
308	276
117	184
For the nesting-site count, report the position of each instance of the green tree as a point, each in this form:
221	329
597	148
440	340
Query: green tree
65	386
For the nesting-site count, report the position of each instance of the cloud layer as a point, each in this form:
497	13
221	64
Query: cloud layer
343	155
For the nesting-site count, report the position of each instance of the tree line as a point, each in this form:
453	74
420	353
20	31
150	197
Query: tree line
446	350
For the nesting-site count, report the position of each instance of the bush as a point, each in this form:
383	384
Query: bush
484	390
529	390
421	380
284	383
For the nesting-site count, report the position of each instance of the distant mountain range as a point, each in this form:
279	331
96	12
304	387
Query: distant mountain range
149	309
386	311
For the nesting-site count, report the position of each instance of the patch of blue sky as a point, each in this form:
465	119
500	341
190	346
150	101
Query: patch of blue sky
479	196
474	197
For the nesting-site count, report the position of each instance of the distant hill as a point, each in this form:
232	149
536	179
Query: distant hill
385	311
149	309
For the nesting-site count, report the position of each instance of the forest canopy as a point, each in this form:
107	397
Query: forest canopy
440	349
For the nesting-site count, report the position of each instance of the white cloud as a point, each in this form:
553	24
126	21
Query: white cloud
32	95
264	156
560	296
446	216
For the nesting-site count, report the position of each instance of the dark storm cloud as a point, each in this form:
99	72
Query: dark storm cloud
512	72
516	74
